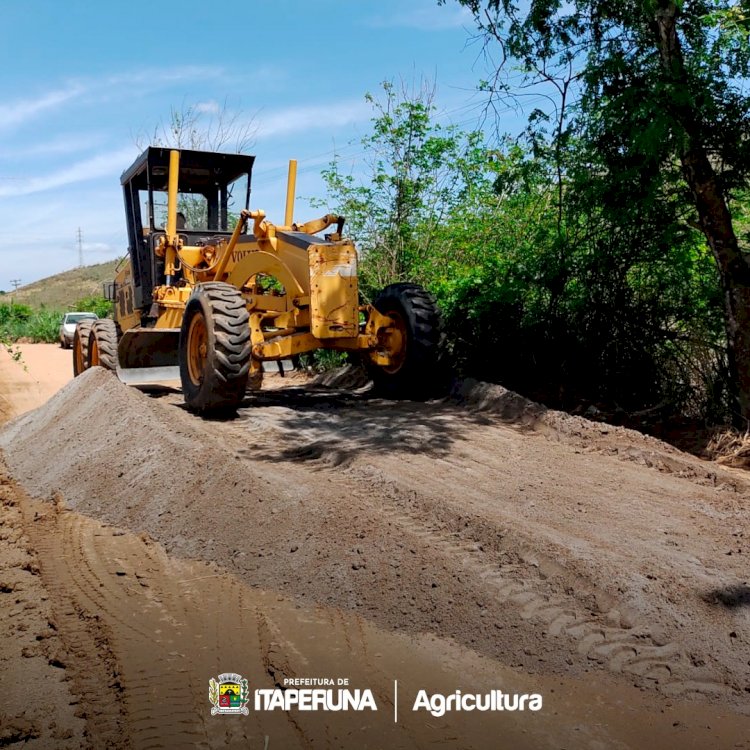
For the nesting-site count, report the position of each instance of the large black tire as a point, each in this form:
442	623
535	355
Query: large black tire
103	341
417	372
215	349
81	336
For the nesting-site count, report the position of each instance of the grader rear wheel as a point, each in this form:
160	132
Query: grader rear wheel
413	343
103	341
81	336
214	348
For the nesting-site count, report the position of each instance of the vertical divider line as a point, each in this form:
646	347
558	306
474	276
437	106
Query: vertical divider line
395	701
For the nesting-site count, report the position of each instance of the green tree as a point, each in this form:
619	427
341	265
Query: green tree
545	284
653	89
417	172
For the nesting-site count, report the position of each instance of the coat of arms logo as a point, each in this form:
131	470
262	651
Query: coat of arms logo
229	694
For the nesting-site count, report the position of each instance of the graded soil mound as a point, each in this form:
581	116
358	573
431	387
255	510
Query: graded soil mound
466	522
587	435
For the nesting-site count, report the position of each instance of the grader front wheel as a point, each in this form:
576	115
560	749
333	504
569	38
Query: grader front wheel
214	348
412	343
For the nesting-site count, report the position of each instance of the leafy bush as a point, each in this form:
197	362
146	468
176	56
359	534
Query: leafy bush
99	305
42	326
22	322
322	360
11	312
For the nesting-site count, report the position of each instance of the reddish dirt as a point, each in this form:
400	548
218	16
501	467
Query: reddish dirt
476	542
42	370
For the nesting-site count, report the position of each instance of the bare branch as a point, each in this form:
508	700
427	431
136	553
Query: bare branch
202	128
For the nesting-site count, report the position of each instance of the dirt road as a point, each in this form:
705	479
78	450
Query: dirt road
42	370
470	544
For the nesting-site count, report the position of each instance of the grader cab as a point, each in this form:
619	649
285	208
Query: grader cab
212	290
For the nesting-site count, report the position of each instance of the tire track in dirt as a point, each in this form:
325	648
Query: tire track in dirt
144	632
519	588
134	633
31	650
621	650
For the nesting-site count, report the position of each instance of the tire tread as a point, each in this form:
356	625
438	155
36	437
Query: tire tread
225	380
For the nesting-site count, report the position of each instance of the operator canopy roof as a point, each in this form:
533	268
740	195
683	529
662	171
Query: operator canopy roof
200	171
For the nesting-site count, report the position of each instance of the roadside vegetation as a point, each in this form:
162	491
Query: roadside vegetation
550	292
578	262
23	323
596	262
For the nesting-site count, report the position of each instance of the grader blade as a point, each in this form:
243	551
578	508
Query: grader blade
148	356
149	375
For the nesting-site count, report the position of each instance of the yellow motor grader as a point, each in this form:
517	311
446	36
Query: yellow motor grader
208	304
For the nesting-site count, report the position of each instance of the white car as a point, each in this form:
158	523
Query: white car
68	326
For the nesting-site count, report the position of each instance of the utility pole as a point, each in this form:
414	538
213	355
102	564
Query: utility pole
16	283
80	248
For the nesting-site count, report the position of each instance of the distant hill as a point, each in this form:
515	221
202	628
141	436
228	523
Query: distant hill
62	291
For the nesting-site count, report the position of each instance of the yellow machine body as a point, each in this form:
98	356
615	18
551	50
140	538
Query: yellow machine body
300	289
213	290
334	299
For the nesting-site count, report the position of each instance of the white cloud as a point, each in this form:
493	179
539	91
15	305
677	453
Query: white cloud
59	145
45	231
209	108
423	19
96	247
102	165
17	112
159	76
311	117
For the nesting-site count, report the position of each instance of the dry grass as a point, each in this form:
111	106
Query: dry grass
730	447
60	292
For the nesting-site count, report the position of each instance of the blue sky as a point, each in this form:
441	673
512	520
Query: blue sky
84	84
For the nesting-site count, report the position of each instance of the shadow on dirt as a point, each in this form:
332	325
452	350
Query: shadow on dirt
731	597
334	426
156	391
